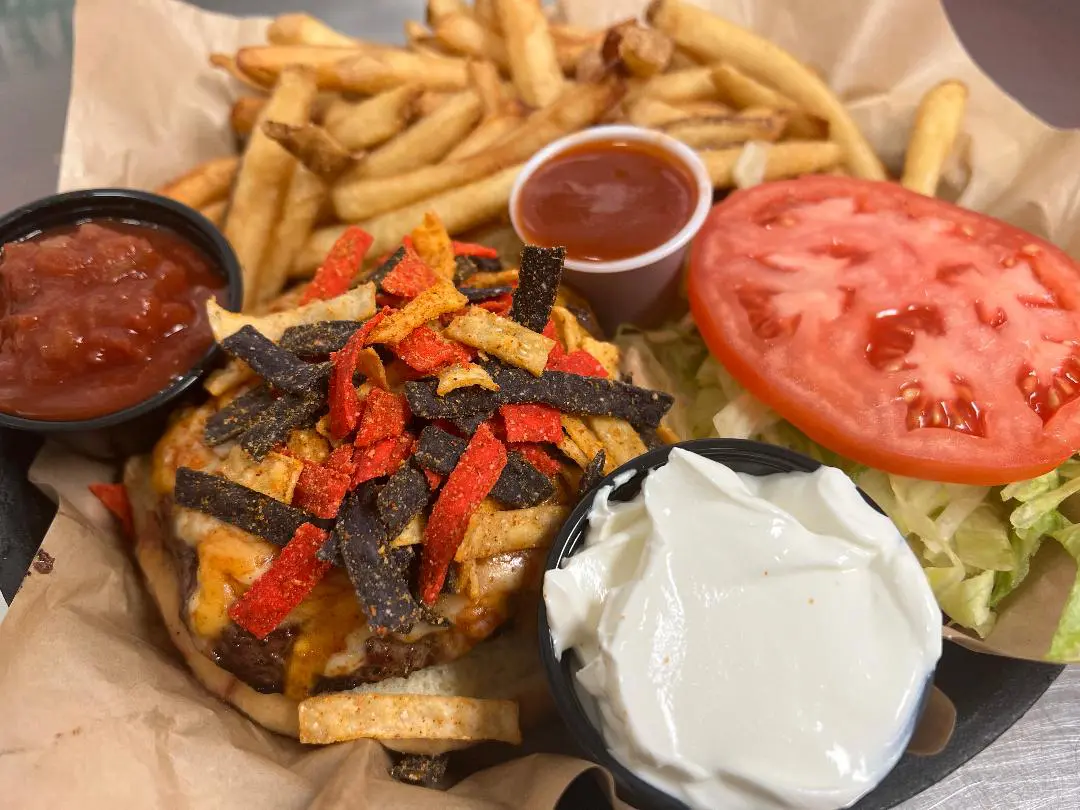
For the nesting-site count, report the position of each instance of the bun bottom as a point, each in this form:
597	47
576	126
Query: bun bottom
507	667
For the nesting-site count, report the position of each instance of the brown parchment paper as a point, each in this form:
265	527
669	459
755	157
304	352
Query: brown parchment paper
97	710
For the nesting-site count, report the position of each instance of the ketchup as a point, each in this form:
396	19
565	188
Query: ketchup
98	317
607	200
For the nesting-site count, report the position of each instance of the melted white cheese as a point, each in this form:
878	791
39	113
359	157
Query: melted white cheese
749	642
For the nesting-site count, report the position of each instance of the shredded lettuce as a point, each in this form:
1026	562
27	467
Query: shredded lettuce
975	543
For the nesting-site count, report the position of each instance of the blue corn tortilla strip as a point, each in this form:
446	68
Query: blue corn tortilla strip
239	506
593	473
520	486
383	270
403	497
379	572
420	769
575	394
238	415
538	284
425	402
485	264
282	369
587	320
464	267
477	295
318	339
284	414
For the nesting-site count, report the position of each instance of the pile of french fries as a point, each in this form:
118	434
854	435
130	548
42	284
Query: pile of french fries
337	130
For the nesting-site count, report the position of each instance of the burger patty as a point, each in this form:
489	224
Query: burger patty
265	664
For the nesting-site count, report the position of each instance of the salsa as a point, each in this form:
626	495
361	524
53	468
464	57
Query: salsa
99	316
607	200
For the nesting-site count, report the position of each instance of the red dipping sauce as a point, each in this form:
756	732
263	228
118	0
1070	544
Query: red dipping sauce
98	317
607	200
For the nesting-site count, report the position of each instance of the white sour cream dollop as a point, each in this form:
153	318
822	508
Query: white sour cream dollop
750	642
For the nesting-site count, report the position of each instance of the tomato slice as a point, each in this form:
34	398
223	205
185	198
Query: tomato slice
900	331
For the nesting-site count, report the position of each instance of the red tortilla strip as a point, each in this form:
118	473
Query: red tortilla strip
290	578
473	249
579	362
500	305
531	423
341	460
470	482
426	351
558	351
539	457
341	265
410	276
344	401
320	489
434	480
384	417
384	457
114	497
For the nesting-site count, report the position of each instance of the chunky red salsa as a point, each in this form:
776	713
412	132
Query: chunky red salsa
97	317
607	200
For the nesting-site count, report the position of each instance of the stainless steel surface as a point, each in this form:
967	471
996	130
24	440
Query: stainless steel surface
1029	48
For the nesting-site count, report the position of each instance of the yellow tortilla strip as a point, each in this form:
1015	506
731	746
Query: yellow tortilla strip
355	305
503	338
427	306
511	530
456	377
621	442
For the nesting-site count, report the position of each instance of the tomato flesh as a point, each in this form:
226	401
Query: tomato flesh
898	330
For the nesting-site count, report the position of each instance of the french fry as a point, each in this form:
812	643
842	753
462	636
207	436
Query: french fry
264	63
460	209
440	10
430	101
264	176
644	52
426	141
534	64
749	125
207	183
693	84
364	124
215	212
937	123
742	91
340	716
485	79
464	35
227	63
488	133
303	29
421	40
653	112
313	146
712	109
571	43
785	159
378	71
579	107
511	530
244	114
487	15
710	37
303	201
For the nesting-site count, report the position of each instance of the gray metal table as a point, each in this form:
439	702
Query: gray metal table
1030	49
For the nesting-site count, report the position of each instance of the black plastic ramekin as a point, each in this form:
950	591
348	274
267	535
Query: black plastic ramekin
753	458
133	429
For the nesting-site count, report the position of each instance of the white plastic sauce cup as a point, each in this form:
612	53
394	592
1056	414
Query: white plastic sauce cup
638	289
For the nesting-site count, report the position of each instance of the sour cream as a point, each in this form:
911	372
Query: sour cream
749	642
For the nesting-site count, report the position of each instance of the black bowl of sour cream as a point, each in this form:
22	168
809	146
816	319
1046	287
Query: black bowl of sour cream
727	623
